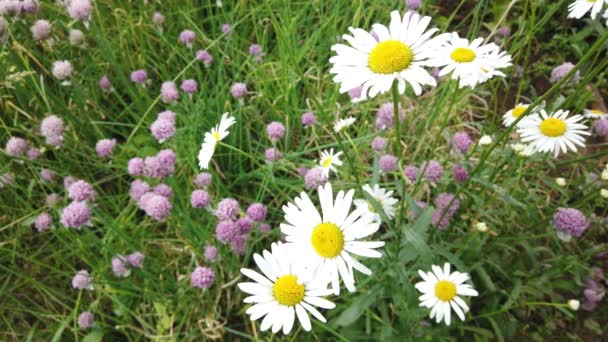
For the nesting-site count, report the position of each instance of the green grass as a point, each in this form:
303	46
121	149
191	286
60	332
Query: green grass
523	273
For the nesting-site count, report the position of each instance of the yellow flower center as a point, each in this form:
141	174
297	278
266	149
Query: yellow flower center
327	162
597	112
287	291
445	290
390	56
518	111
216	136
553	127
327	240
463	55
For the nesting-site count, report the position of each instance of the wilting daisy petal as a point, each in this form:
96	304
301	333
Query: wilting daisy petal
217	134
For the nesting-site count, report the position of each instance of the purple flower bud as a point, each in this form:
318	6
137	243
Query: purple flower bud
275	130
158	19
168	92
388	163
379	143
413	4
225	231
460	173
33	153
82	280
315	178
504	31
105	147
47	175
238	90
75	215
16	147
163	190
200	199
386	114
257	212
187	37
244	225
135	167
189	86
119	266
433	172
62	70
41	30
53	200
86	320
204	57
227	209
264	227
80	9
255	49
559	72
43	222
166	115
76	37
569	221
158	207
162	130
104	83
68	181
202	277
81	191
203	180
462	141
51	126
411	172
303	171
601	127
441	203
136	259
273	154
238	244
210	253
139	76
227	29
309	119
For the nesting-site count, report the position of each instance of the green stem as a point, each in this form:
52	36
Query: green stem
398	150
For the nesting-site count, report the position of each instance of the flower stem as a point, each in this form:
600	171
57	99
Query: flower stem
399	152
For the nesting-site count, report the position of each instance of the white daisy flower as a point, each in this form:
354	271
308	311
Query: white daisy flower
328	160
509	117
399	54
580	7
595	114
441	290
326	243
283	292
383	197
554	132
217	134
469	62
343	123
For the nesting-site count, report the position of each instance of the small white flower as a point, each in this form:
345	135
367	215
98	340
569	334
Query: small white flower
380	195
509	117
217	134
594	113
441	292
481	227
574	304
343	123
485	140
560	181
604	193
580	7
328	161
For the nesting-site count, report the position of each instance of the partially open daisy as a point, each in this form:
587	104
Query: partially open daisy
580	7
441	290
469	62
217	134
325	243
380	195
595	114
329	160
553	132
514	114
283	292
399	54
343	123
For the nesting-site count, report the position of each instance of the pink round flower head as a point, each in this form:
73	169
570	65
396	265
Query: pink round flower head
68	181
166	115
355	93
238	90
158	207
227	29
202	277
53	200
29	6
238	244
119	266
143	199
138	189
47	175
257	212
55	141
227	209
168	92
51	126
413	4
462	141
80	9
86	320
104	83
504	31
162	130
105	147
139	76
460	173
43	222
309	119
600	127
443	212
187	37
225	231
136	259
315	178
569	221
411	172
210	253
433	172
76	37
9	7
203	180
135	167
379	143
255	49
264	227
189	86
204	56
158	19
273	154
200	199
62	70
41	30
244	225
16	147
275	130
303	171
163	190
82	280
81	191
385	116
388	163
559	72
33	153
75	215
167	161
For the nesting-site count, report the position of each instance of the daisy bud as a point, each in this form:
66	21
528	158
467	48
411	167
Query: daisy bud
480	227
604	193
485	140
574	304
560	181
604	175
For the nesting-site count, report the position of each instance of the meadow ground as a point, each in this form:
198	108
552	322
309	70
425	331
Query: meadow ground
114	225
